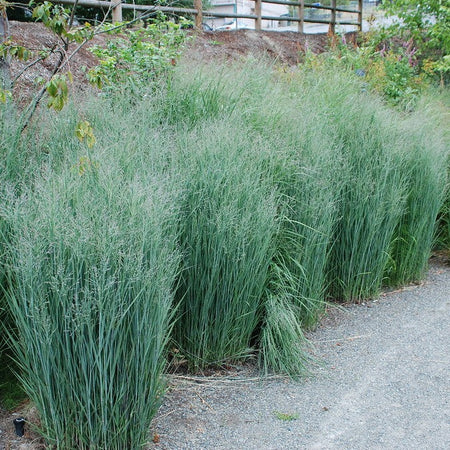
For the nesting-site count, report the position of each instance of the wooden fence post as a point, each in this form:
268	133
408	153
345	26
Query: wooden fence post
360	14
301	16
333	16
199	15
5	81
258	12
116	11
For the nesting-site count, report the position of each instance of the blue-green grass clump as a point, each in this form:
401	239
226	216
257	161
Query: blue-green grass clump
227	234
94	261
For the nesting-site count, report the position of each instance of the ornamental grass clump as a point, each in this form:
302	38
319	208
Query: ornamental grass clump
5	318
227	241
440	103
194	95
304	165
230	92
443	226
424	164
94	259
371	185
295	161
12	171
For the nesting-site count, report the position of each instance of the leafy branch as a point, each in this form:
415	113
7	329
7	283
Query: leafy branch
60	22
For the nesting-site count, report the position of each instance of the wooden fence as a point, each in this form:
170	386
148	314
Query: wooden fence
117	6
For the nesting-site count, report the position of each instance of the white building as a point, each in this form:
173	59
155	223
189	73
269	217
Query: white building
281	15
245	7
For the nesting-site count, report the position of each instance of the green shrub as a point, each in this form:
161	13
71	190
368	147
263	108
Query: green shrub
387	65
138	56
427	22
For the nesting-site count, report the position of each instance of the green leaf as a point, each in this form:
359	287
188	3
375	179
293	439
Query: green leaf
52	88
287	417
4	95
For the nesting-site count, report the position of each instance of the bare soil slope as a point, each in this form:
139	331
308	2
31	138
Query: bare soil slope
207	47
283	47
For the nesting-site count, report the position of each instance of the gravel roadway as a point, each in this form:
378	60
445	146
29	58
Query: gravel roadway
383	383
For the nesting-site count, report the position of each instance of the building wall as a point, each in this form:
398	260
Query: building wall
245	7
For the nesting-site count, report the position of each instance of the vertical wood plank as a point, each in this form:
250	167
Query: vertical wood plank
258	12
116	11
360	14
199	15
301	16
333	16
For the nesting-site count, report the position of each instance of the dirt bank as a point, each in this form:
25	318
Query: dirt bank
206	47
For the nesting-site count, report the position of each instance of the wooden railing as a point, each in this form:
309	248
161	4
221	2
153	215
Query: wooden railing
116	7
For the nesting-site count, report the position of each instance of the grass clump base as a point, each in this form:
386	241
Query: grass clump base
283	345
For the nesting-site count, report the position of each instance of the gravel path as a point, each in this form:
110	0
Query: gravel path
384	384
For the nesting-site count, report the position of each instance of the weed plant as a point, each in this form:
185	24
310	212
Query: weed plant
94	263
